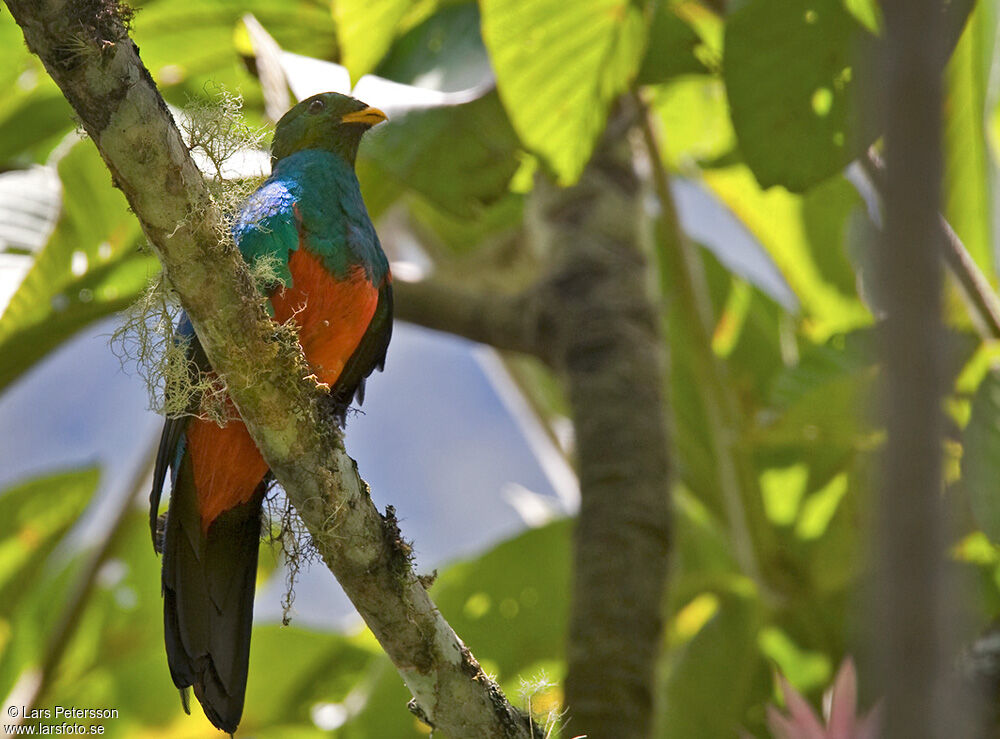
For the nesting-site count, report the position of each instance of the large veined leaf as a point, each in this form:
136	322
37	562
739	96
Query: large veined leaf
791	77
559	65
365	29
792	71
115	654
325	668
89	268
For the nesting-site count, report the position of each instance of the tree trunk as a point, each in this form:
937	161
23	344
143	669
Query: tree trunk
606	338
913	628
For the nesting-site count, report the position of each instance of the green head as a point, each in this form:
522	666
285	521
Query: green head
328	121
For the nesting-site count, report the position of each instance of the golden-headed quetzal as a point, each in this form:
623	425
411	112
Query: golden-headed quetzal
335	284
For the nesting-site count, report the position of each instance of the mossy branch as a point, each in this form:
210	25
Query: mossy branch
86	49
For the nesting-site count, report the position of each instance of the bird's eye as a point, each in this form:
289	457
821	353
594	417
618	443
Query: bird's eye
317	106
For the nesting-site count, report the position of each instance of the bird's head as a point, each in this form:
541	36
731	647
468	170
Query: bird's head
328	121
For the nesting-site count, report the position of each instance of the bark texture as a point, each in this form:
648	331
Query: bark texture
86	49
604	333
913	628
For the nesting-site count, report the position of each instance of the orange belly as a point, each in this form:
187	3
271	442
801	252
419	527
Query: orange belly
332	318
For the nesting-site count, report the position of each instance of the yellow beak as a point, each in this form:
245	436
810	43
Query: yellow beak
369	116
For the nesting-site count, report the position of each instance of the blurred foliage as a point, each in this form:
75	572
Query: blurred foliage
756	108
967	185
37	514
90	267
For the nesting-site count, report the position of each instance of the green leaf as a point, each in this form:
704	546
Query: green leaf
36	514
14	55
713	680
783	488
365	29
315	667
820	507
89	268
703	558
190	47
967	186
559	65
33	113
673	48
806	670
868	13
789	72
444	52
819	365
460	158
457	235
116	657
507	610
981	456
31	128
104	290
824	416
31	619
695	117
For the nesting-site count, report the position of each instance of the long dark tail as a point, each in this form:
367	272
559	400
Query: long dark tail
208	589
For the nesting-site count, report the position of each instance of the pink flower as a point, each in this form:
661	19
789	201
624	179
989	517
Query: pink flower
840	705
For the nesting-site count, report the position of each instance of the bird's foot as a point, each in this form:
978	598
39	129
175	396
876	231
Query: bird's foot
323	386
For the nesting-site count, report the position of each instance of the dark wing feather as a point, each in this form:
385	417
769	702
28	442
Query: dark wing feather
169	439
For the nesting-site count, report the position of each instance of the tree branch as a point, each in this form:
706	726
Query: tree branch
916	610
604	333
505	322
86	49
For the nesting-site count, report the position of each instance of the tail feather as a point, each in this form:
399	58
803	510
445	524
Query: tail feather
208	591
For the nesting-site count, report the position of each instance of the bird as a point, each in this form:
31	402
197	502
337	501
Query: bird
333	280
